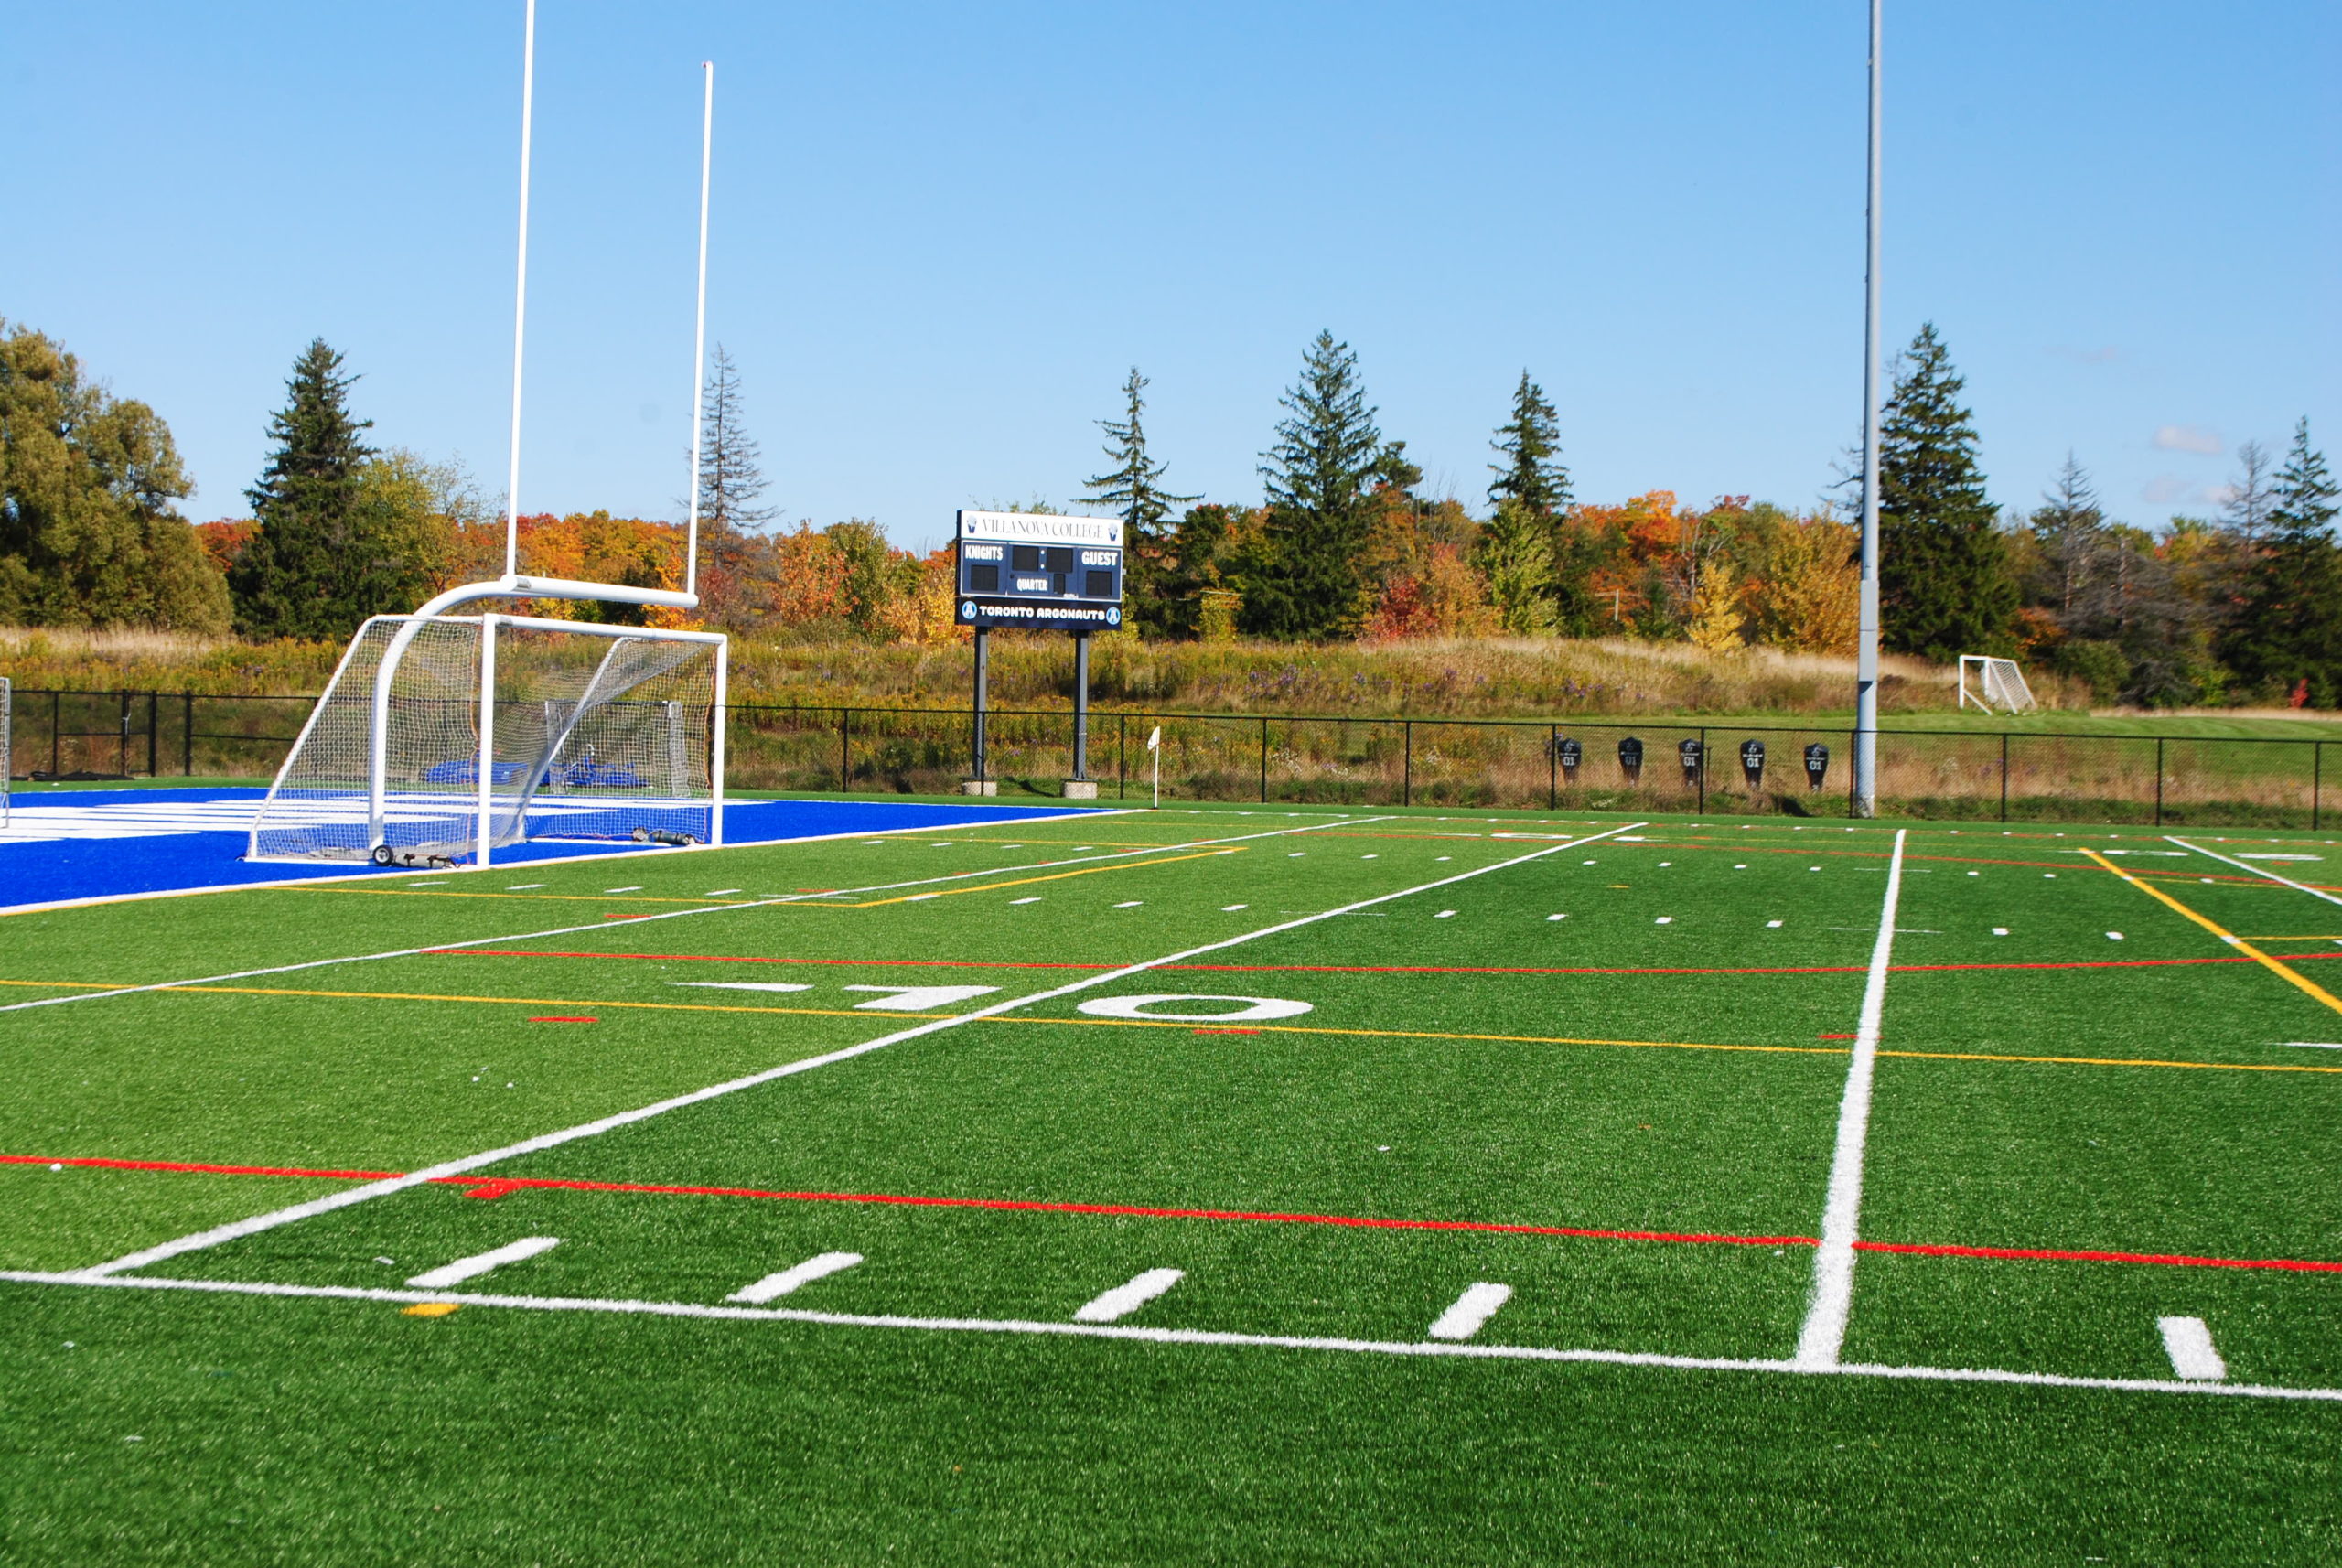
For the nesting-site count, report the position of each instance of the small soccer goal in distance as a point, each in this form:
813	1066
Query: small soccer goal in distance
443	738
1995	682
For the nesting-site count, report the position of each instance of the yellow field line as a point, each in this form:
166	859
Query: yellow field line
2110	1062
64	985
1025	881
1426	1034
1190	1024
2242	946
554	1002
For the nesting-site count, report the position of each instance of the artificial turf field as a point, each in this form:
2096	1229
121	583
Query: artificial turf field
1536	1189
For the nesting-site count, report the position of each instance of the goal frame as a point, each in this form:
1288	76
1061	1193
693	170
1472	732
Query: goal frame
486	804
1988	666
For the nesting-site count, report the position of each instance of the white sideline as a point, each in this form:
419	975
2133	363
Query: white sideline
479	1263
237	1230
1125	1299
1187	1336
663	915
2257	871
1824	1333
1471	1311
788	1279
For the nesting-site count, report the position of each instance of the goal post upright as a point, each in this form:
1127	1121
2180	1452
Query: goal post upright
513	584
484	772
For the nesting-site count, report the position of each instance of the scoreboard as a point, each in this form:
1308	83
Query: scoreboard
1035	569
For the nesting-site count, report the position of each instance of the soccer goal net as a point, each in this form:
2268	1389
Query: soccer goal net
1993	683
443	738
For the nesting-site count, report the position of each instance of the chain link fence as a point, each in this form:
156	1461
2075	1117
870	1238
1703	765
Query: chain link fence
1618	764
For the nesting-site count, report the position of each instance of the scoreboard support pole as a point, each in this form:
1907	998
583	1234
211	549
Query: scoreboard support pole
979	712
1081	706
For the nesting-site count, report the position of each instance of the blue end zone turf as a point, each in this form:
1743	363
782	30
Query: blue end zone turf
99	843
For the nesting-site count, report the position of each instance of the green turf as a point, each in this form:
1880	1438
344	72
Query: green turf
1663	1061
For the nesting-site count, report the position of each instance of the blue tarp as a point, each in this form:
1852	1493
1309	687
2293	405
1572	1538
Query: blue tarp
164	840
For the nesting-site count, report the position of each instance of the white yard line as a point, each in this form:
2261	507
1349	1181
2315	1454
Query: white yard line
370	1190
1122	1300
1471	1311
1824	1333
664	914
480	1263
1186	1336
2257	871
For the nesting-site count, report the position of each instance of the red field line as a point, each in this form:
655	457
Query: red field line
2166	1259
1359	968
492	1187
188	1166
496	1187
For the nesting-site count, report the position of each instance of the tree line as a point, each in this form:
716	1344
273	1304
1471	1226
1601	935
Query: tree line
1345	545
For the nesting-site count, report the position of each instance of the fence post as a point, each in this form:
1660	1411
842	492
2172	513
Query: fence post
2317	776
2004	776
55	719
153	699
122	738
1552	767
1703	771
1122	756
845	751
2158	781
186	736
1264	762
1407	763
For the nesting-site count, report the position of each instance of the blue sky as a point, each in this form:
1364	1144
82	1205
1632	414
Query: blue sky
942	234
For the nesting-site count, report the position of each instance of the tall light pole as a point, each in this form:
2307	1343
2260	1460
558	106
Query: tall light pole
1866	650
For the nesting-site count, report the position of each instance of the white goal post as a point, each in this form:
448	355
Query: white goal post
443	738
1998	681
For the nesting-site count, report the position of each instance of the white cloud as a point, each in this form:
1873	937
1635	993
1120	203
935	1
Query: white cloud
2166	489
2219	495
2188	438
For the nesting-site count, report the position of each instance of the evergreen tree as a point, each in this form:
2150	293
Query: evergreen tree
730	474
1532	474
1516	557
1133	487
2068	524
87	536
319	565
1944	582
2287	624
1304	578
737	564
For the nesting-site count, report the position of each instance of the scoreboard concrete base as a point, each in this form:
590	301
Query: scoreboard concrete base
1082	788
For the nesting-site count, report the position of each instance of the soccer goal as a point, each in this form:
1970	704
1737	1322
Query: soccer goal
444	739
1997	680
